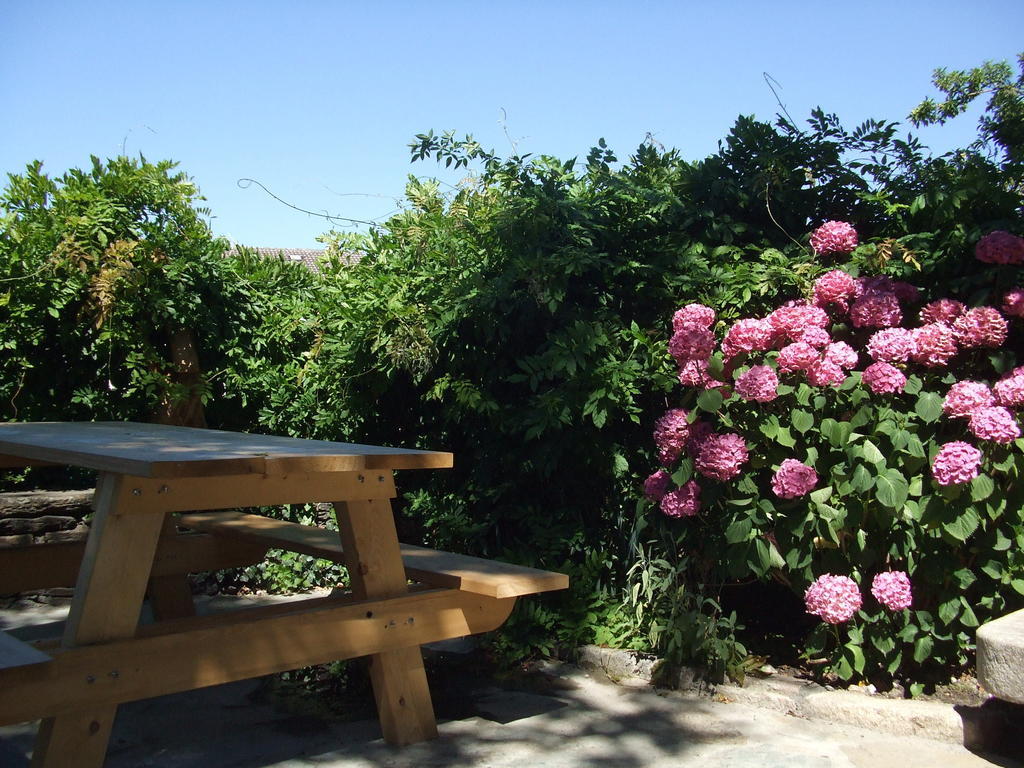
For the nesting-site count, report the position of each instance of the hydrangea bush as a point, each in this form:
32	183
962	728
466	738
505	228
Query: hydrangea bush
862	446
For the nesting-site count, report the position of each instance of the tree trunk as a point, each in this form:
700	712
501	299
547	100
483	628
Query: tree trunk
186	412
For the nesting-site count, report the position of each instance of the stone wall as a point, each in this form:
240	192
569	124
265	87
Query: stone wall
43	516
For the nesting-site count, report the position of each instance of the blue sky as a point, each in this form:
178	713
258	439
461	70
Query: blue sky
318	100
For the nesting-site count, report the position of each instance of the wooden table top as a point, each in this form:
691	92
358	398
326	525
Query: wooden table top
157	450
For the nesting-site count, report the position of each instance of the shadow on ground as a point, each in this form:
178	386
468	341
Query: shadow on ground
236	726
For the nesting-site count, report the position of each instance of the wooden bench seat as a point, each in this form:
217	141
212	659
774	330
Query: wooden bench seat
429	566
15	653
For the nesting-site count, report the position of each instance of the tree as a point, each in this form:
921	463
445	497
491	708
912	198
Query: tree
1001	126
107	275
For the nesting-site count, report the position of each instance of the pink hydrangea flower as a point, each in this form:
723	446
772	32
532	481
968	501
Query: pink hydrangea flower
816	337
670	433
1000	247
825	373
747	335
842	354
693	316
942	311
996	424
656	486
682	502
758	383
793	319
876	310
956	462
794	479
966	397
1009	391
935	345
799	356
699	432
892	589
980	327
1013	303
834	237
876	284
892	345
882	378
906	292
694	373
833	599
721	456
835	287
691	343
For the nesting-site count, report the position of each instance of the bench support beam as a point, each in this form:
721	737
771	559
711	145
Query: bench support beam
171	657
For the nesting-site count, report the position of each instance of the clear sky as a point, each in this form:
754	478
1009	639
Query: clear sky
318	100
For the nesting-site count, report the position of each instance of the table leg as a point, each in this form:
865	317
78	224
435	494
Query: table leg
106	605
375	569
170	596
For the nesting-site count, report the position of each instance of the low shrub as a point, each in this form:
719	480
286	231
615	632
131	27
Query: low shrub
859	444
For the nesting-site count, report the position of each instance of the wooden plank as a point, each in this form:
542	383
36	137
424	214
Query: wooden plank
374	563
172	658
233	491
476	574
444	569
108	598
15	653
45	566
280	534
8	461
160	450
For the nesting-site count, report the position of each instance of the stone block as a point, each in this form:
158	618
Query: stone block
1001	657
12	526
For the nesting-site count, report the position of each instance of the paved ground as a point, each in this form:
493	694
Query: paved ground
572	721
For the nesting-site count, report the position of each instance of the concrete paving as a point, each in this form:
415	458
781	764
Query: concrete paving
573	720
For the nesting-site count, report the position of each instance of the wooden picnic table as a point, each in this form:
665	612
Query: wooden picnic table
152	525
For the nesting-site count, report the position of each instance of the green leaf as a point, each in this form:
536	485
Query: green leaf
913	385
872	454
784	438
964	577
710	400
843	669
929	407
836	432
856	656
908	633
982	487
738	531
862	479
968	618
801	420
822	495
915	447
884	644
923	648
964	525
892	489
770	427
682	475
949	610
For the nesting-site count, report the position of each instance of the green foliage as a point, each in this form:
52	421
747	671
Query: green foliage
1001	126
672	613
98	269
520	321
